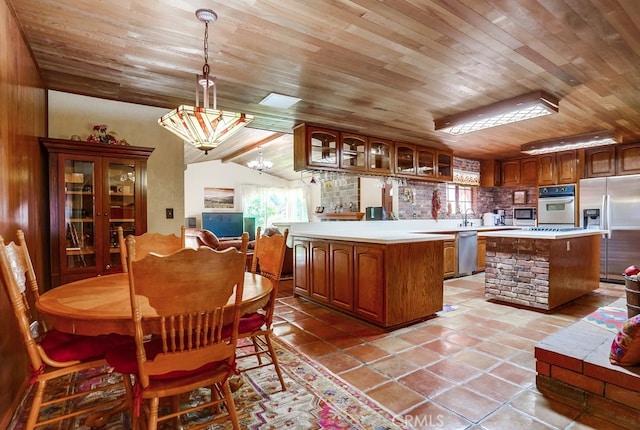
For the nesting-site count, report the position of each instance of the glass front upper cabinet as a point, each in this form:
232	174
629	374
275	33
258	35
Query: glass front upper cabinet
353	152
426	162
380	156
323	150
405	159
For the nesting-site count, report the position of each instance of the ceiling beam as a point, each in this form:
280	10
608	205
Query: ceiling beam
251	147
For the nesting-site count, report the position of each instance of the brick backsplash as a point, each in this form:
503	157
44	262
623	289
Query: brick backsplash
340	191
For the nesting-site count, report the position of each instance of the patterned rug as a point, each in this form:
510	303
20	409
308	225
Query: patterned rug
608	317
314	399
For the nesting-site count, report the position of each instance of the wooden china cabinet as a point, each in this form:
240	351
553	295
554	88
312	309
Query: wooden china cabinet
94	188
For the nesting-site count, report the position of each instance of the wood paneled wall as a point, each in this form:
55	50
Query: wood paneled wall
23	190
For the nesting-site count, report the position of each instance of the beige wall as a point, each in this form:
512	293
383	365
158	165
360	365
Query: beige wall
71	114
216	174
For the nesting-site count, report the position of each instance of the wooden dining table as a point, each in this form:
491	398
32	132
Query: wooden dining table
101	305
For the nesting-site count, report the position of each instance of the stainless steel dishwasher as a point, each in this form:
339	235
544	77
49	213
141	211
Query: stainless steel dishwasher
467	252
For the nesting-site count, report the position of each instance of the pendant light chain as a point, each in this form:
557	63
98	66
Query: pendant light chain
205	68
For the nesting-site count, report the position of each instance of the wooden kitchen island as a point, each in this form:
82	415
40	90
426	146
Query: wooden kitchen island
541	269
390	280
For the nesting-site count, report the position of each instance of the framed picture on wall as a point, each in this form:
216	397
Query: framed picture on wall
519	197
218	198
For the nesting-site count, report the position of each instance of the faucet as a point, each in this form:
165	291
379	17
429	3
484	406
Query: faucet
465	222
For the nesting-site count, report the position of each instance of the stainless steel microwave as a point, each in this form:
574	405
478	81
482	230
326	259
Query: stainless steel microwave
524	216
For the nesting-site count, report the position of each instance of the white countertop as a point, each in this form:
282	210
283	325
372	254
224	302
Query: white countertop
529	234
381	237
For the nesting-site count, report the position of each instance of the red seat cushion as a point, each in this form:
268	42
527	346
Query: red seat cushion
123	360
251	322
61	346
248	323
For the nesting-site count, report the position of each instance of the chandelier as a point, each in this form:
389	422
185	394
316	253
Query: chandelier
260	163
201	126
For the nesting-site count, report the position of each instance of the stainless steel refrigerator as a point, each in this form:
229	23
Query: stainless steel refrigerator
617	200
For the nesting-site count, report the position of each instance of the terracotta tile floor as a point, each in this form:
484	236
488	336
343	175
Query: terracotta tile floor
472	367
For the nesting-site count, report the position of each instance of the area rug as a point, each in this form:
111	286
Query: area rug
608	317
314	399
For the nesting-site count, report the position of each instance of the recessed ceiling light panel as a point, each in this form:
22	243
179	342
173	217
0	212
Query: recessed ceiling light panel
279	101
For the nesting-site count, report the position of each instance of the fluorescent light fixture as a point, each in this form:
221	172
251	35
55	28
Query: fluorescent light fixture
279	101
520	108
201	126
578	141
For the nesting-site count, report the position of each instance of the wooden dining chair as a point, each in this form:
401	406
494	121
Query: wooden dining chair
157	243
54	355
268	256
189	290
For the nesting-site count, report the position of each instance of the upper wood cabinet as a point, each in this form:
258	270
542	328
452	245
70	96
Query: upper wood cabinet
600	161
426	162
489	173
628	159
529	171
315	147
519	171
557	168
380	156
610	160
510	172
325	149
353	152
405	158
94	188
444	165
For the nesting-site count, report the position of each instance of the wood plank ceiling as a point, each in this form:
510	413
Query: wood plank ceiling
380	68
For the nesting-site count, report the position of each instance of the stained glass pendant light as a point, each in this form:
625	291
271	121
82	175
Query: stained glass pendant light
201	126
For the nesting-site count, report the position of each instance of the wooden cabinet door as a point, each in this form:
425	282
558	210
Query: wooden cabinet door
546	169
450	258
322	147
444	164
405	159
510	172
482	254
341	274
301	266
529	171
369	281
426	159
353	152
319	273
566	167
489	173
600	161
380	156
628	159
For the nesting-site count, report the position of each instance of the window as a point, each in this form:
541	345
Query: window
460	198
271	204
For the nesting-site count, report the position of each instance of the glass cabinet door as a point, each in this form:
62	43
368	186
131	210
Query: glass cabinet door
323	148
426	162
79	213
380	160
122	207
353	152
405	159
